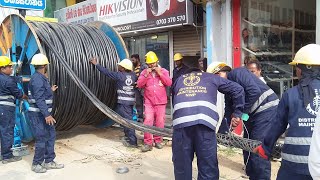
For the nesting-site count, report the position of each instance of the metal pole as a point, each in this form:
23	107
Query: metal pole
209	18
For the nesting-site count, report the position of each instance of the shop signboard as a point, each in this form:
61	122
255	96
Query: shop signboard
80	13
24	4
138	15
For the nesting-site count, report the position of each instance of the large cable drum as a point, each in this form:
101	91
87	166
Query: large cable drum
85	96
77	44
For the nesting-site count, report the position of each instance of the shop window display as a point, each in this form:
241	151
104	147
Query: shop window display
272	32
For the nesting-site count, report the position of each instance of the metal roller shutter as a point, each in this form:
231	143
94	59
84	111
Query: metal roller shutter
187	41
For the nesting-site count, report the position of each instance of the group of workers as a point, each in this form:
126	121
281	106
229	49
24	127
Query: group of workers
195	118
133	82
40	98
248	99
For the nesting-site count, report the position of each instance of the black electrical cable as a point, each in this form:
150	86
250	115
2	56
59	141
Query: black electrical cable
77	44
82	84
84	94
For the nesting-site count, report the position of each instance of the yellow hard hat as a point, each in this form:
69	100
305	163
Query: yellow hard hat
308	55
151	57
5	61
126	63
215	67
39	59
177	57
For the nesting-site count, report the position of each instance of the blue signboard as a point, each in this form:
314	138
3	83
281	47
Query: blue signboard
24	4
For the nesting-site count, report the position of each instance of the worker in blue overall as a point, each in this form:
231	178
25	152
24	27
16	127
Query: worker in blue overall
9	92
125	80
298	108
195	118
40	115
260	104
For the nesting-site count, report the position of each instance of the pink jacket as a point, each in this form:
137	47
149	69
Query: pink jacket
154	86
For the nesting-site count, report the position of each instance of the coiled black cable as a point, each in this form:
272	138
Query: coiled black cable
84	94
76	44
82	85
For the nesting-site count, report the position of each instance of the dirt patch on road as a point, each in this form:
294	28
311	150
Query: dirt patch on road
91	153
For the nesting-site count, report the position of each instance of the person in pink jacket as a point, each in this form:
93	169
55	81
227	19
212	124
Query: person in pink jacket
154	80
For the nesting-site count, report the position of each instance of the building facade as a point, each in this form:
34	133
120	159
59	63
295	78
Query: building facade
270	31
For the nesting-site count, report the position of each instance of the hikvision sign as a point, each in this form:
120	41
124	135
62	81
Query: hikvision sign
117	12
120	6
133	15
130	15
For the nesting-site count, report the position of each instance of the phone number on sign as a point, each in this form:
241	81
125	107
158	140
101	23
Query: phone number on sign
171	20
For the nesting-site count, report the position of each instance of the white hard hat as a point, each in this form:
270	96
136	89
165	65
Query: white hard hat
307	55
215	67
126	63
39	59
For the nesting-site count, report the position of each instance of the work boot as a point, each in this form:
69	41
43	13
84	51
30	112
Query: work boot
146	148
13	159
159	146
124	138
127	144
53	165
38	168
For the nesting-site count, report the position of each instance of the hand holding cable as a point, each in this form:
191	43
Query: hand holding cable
93	61
54	88
235	121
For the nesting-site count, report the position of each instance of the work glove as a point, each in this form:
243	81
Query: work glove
260	151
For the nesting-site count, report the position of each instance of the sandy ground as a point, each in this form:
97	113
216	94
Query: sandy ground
91	153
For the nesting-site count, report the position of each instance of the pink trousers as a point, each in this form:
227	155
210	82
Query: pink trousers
154	116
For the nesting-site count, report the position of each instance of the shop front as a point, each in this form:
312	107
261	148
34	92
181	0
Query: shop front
269	31
185	40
